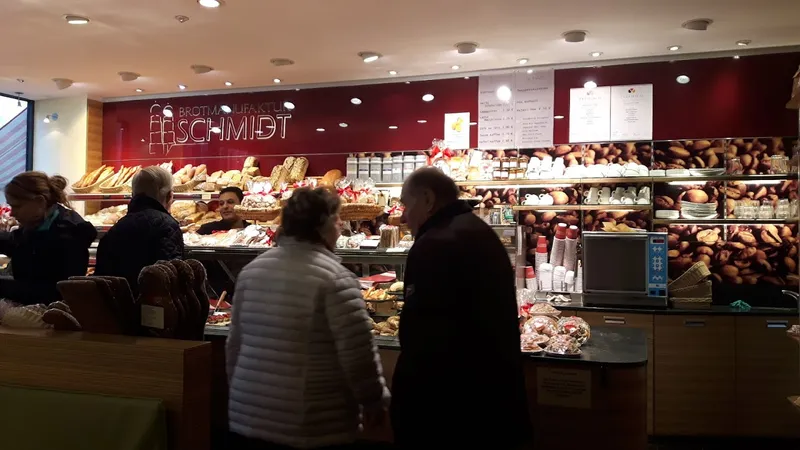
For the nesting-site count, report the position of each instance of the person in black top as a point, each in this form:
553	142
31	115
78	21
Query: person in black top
51	243
228	198
147	234
459	380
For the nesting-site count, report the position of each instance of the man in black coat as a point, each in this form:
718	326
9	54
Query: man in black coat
458	380
148	233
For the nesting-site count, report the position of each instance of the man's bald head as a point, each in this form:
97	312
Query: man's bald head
442	187
425	192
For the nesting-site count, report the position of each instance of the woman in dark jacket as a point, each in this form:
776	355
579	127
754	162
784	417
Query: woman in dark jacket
51	243
147	234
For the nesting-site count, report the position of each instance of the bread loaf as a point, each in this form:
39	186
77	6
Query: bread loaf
61	320
331	177
299	169
159	314
200	277
250	162
186	287
178	299
129	310
288	162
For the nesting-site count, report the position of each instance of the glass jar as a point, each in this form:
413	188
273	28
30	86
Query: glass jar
523	163
504	163
496	164
513	162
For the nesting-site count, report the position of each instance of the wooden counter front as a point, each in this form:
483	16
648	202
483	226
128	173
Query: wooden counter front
177	372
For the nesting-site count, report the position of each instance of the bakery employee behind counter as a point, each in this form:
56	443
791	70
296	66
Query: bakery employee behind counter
228	198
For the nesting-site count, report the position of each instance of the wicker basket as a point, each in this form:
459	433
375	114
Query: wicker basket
691	303
700	290
92	188
359	211
186	187
697	273
257	214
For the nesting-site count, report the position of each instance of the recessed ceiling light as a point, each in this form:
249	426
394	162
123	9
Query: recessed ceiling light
574	36
522	61
167	111
182	19
466	48
504	93
281	62
674	48
589	85
392	127
210	3
530	70
355	101
320	129
216	130
422	121
558	117
743	42
697	24
201	68
62	83
596	54
466	78
182	87
735	56
342	124
392	72
682	79
288	105
369	57
408	82
226	109
228	83
128	76
276	80
76	20
139	90
455	67
427	98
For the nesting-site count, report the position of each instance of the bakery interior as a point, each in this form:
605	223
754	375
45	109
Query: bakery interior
640	167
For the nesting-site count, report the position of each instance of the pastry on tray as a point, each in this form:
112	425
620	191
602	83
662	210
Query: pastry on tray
575	327
563	345
532	342
542	308
541	325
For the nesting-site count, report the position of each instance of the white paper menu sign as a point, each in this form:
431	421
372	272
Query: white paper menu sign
496	116
632	112
534	95
456	130
590	115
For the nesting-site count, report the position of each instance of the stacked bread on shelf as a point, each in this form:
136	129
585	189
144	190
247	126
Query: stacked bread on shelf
93	179
692	289
192	215
121	181
188	177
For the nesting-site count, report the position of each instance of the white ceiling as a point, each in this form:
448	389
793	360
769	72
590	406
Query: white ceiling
324	37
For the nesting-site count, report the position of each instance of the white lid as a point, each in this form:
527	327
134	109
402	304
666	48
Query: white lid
408	158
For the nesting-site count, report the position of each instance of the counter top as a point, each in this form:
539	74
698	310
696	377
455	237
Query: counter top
607	345
714	310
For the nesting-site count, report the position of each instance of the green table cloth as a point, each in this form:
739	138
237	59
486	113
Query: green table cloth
34	419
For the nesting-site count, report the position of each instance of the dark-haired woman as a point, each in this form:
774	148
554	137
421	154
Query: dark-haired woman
300	355
51	243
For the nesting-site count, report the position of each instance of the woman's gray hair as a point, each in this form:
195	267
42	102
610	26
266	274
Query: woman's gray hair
153	182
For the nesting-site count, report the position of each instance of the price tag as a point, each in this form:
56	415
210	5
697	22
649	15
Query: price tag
396	250
509	233
206	196
153	317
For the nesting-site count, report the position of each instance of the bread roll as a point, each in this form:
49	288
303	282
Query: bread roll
331	177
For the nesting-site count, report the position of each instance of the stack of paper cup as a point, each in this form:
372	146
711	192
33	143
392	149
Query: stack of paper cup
571	248
559	243
546	277
569	281
540	257
530	279
579	278
559	273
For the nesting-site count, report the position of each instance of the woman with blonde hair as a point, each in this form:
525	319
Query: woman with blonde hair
51	243
301	359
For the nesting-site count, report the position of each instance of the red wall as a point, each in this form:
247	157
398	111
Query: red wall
725	98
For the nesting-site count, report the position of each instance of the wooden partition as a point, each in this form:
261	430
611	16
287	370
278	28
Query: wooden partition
177	372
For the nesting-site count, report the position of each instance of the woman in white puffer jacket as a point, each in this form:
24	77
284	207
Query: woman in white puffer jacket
301	359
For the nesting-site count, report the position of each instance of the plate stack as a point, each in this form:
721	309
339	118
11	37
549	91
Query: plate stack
699	211
707	172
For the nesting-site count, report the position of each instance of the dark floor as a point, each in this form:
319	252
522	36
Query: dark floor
721	444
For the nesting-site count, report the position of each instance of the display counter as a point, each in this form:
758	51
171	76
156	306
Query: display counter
176	372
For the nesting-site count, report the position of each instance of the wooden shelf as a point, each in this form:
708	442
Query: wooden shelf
724	221
121	197
582	207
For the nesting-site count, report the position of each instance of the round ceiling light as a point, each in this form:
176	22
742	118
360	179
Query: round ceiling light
76	20
62	83
320	129
466	48
139	90
226	109
682	79
288	105
504	93
697	24
182	19
228	83
182	87
574	36
674	48
201	68
455	67
343	124
530	71
743	42
369	57
276	80
355	101
427	98
736	57
422	121
392	127
128	76
522	61
589	85
216	130
210	3
596	54
167	111
558	117
392	72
